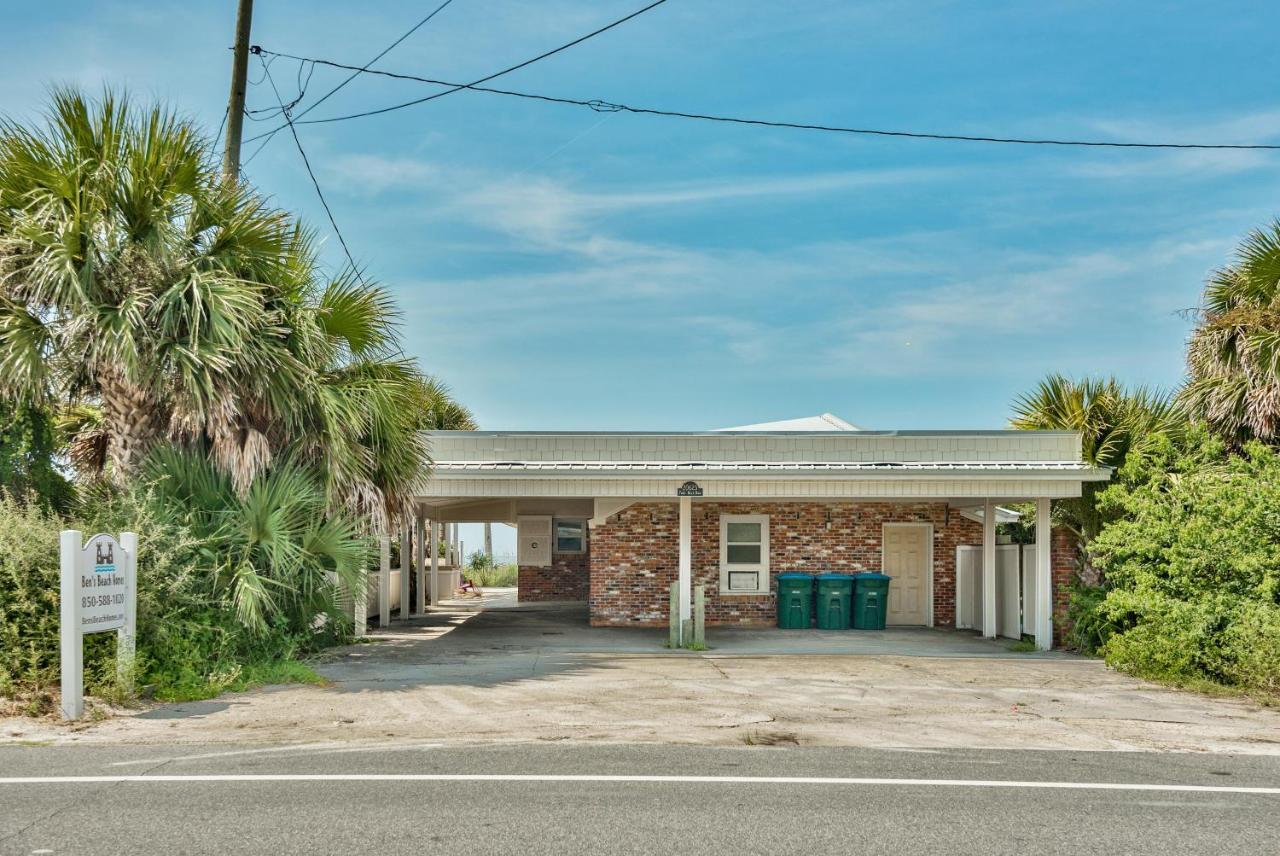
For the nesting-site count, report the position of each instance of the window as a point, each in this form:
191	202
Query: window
744	554
571	536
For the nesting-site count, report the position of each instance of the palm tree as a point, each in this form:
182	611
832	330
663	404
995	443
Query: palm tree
130	277
274	550
441	411
1233	358
1112	421
164	304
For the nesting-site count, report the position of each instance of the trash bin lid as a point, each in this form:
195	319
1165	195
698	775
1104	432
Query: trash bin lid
795	575
873	575
835	576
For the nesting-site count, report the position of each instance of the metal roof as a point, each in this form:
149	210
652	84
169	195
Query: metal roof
861	433
823	423
766	466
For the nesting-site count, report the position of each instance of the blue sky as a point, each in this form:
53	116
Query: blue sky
567	269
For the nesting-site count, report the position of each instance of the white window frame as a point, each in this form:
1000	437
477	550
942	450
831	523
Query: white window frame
762	568
555	537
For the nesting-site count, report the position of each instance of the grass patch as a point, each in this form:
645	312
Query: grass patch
499	576
1022	646
248	677
1206	687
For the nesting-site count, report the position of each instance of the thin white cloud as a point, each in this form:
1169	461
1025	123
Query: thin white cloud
1247	128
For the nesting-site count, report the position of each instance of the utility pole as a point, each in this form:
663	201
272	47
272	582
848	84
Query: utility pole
488	542
239	80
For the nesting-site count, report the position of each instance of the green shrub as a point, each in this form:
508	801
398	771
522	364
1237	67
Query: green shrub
28	445
1088	628
483	572
1192	567
29	585
198	635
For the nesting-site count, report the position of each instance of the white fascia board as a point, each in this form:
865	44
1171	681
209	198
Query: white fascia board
1036	474
1008	489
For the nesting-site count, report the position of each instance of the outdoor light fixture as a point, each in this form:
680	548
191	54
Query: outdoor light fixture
828	518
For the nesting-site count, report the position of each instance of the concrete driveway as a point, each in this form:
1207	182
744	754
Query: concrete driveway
493	672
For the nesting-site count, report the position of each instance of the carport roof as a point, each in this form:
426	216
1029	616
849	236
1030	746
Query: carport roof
1078	469
729	464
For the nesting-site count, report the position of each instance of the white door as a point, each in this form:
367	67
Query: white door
908	558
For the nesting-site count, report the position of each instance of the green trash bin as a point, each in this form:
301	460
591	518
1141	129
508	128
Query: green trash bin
835	596
795	601
870	601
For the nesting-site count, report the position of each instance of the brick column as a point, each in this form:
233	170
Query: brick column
1064	563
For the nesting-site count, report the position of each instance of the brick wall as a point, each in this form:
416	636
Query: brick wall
634	554
1063	563
564	579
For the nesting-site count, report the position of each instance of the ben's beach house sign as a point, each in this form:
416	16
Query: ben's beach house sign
99	593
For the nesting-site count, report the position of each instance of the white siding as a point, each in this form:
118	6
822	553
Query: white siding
861	446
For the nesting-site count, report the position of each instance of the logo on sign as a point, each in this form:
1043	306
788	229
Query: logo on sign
689	488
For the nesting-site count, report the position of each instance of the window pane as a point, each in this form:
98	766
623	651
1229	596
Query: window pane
743	554
744	532
568	536
743	581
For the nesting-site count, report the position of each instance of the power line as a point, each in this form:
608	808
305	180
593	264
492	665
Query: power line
354	74
222	124
612	107
288	119
308	67
460	86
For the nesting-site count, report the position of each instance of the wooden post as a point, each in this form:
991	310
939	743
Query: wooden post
1044	575
686	567
239	81
72	641
434	548
989	602
406	566
420	567
384	582
126	637
673	617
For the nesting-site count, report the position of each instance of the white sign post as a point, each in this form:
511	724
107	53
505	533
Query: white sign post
99	593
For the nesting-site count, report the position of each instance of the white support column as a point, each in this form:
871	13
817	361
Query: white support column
406	566
989	570
1044	575
384	582
433	549
126	637
421	566
360	607
72	638
686	567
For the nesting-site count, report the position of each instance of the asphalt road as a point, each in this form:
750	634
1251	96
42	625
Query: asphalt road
768	800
